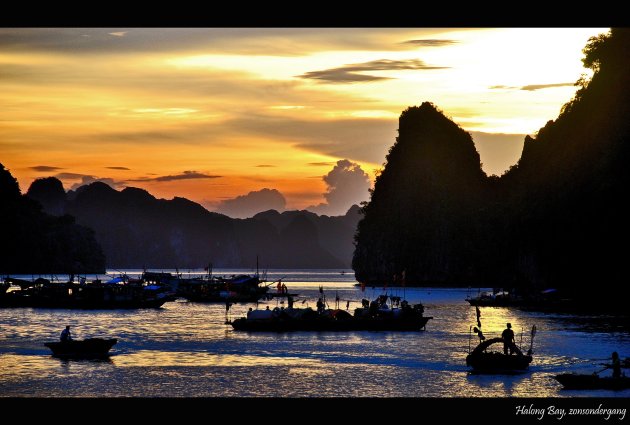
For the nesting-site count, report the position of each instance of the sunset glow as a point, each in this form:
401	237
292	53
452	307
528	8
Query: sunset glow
211	114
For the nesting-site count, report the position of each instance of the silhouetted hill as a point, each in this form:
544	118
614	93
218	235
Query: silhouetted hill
335	234
35	242
419	217
555	219
138	230
569	189
49	193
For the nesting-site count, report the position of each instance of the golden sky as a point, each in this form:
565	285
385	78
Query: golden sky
212	114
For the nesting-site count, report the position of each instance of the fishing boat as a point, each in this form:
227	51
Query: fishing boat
572	381
486	359
482	360
92	348
117	293
236	288
375	316
496	298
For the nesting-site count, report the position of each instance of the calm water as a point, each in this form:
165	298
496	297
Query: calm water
185	350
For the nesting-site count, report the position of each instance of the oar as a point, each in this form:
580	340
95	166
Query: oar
531	342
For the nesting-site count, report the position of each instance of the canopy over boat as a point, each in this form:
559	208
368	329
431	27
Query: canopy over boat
496	362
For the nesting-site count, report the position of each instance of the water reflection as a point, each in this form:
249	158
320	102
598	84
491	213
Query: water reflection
185	349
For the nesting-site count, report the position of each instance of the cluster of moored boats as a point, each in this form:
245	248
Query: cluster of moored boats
150	290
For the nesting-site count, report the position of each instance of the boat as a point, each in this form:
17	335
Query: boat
91	348
482	360
374	316
572	381
236	288
496	298
116	293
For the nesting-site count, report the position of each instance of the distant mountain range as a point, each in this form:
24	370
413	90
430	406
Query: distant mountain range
137	230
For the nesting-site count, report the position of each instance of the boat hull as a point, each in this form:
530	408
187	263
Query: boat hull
330	325
494	362
571	381
92	348
498	362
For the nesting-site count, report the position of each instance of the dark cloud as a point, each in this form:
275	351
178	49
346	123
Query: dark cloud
265	166
347	185
254	202
351	73
285	41
186	175
71	176
45	168
533	87
430	42
501	87
119	168
320	164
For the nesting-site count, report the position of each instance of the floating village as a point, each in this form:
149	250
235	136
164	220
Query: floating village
387	312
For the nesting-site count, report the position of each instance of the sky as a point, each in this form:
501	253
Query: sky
250	119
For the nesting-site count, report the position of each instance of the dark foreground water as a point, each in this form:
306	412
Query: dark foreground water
185	350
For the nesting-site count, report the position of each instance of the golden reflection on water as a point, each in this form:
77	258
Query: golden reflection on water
147	358
13	366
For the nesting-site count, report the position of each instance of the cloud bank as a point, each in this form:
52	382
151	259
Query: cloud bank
245	206
354	73
347	185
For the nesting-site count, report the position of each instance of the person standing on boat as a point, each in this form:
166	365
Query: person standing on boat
508	339
320	306
65	335
616	365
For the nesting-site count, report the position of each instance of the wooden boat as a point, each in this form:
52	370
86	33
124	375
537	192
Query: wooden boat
376	317
118	293
92	348
572	381
240	288
497	362
495	299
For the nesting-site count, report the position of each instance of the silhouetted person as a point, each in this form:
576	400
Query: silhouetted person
65	335
320	306
616	365
508	339
290	301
